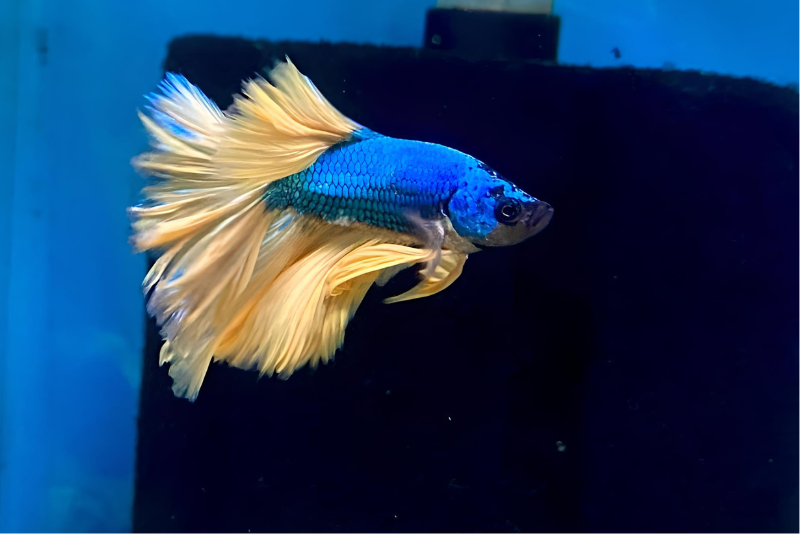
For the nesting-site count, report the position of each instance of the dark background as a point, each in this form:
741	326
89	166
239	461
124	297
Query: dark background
652	328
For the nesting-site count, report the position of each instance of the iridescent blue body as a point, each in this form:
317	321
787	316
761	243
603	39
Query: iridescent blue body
378	181
381	180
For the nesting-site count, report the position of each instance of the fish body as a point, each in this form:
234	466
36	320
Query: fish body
272	220
380	180
376	181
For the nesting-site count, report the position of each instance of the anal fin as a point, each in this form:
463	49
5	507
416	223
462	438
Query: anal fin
300	318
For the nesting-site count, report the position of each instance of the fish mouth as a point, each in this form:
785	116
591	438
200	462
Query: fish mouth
538	217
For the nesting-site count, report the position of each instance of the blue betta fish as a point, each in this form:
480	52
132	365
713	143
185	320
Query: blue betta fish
273	219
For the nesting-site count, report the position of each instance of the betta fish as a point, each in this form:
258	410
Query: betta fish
271	220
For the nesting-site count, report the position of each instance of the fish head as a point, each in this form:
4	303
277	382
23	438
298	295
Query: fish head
489	210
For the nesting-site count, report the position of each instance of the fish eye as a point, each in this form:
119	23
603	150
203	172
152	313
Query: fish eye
508	210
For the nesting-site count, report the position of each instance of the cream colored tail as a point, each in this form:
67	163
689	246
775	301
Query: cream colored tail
236	282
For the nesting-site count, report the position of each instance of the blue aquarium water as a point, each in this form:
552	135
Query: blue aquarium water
78	349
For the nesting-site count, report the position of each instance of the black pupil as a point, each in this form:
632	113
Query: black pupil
507	211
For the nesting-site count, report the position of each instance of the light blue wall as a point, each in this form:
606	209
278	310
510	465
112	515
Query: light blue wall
72	73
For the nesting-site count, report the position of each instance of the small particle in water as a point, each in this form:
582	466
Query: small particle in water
388	391
633	405
616	52
395	516
560	447
204	490
436	39
615	277
449	418
771	461
172	517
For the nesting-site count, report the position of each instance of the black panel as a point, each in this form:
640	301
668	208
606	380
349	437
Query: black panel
652	328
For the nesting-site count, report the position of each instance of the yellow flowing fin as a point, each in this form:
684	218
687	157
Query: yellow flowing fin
218	243
193	285
213	165
300	316
446	272
278	130
189	198
185	128
202	288
187	373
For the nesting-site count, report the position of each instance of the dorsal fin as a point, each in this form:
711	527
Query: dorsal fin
281	128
